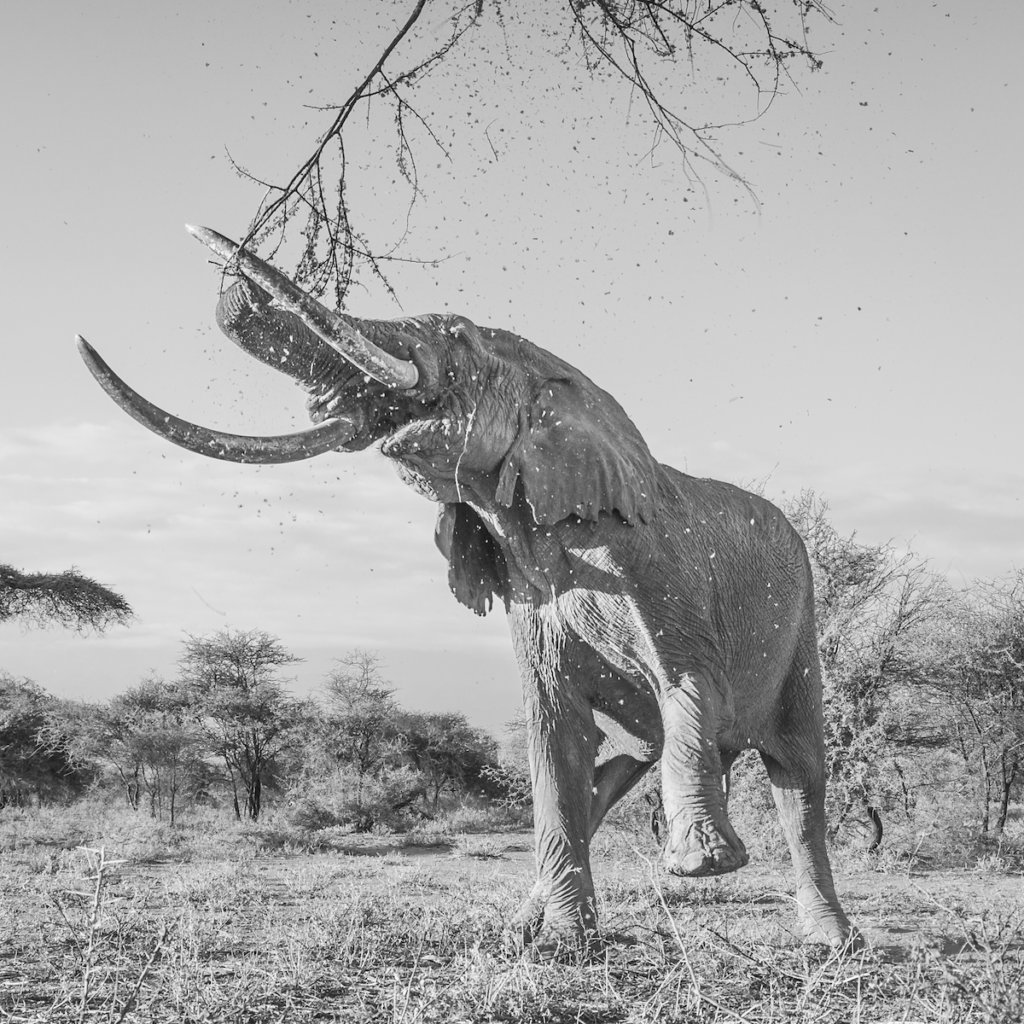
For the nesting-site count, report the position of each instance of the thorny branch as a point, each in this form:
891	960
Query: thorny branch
306	188
630	37
66	598
630	26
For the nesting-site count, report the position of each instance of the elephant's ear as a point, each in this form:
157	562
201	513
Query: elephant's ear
476	566
578	453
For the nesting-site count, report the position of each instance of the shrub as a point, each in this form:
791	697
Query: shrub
361	801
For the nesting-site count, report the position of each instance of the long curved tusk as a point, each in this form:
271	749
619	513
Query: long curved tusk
391	371
305	444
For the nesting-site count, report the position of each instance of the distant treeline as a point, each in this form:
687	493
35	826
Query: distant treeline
227	730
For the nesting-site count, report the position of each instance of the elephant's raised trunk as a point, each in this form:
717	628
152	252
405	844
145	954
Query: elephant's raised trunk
340	332
302	339
277	338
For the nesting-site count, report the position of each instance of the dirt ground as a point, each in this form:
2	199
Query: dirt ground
895	911
375	926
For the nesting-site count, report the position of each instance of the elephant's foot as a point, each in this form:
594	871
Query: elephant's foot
528	920
826	925
831	932
564	939
699	848
551	931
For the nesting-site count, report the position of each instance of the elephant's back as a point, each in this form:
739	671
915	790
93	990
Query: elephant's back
756	565
730	513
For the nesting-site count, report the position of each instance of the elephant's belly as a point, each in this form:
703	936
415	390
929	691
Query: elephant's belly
597	643
626	673
611	624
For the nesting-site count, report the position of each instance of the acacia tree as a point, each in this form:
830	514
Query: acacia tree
35	757
30	765
66	598
447	751
980	685
248	717
510	773
875	610
360	729
651	45
157	728
97	740
148	738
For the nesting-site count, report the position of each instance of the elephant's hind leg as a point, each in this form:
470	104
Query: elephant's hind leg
800	799
795	759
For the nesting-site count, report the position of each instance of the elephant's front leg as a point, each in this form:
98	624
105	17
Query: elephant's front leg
701	839
562	747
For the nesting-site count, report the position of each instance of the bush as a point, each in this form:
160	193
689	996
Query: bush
476	815
479	847
363	802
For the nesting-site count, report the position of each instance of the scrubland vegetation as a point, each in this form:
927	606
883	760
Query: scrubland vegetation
211	847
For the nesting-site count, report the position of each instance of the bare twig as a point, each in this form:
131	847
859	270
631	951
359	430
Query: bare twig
146	968
101	865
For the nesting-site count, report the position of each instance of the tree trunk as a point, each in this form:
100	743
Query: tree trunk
986	817
131	788
234	793
876	826
833	830
253	798
408	799
1004	799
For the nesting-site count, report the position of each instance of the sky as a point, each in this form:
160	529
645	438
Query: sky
845	320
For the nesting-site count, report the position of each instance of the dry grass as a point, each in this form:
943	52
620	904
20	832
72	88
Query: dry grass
235	924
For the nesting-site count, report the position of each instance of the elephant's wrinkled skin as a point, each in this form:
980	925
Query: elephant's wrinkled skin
653	614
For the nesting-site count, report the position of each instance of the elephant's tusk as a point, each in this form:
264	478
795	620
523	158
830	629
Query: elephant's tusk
304	444
335	329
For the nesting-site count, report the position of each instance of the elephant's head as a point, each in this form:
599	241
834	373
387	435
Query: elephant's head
464	410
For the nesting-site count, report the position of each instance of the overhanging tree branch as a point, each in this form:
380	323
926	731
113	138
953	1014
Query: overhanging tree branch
630	37
66	598
307	188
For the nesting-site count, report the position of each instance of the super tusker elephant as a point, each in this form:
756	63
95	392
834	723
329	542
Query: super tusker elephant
653	614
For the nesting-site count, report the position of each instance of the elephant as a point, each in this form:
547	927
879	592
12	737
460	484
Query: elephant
654	615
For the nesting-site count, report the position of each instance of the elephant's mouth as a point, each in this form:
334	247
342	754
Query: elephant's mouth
359	391
375	414
420	437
